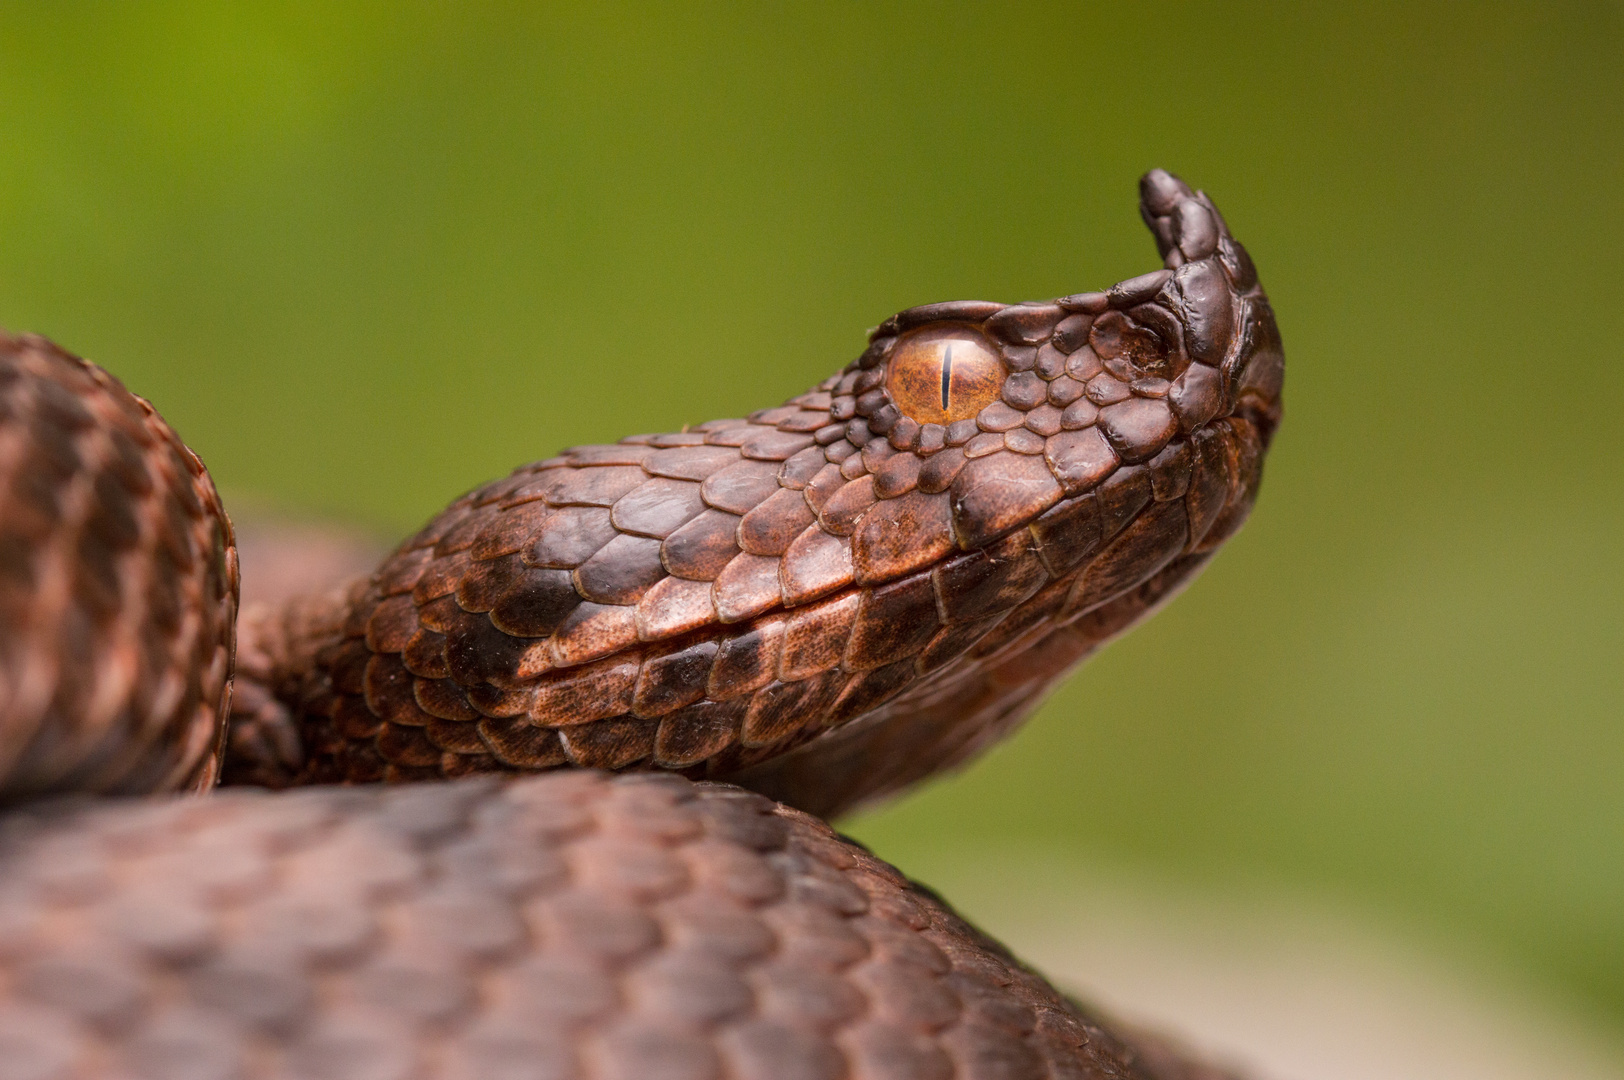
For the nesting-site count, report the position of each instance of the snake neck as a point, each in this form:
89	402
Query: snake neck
279	646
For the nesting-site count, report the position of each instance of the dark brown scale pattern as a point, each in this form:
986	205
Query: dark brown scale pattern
118	587
649	604
564	927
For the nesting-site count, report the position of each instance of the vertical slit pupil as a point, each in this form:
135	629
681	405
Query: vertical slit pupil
947	373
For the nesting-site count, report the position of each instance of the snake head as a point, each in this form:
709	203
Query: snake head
855	588
1070	414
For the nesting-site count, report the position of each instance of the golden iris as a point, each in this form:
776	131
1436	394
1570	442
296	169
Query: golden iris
944	373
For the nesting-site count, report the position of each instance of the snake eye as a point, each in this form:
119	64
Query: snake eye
944	373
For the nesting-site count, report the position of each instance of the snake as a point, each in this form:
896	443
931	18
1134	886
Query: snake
545	795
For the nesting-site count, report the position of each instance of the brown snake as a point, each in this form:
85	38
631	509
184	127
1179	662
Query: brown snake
820	604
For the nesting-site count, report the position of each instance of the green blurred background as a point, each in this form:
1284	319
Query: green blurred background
365	256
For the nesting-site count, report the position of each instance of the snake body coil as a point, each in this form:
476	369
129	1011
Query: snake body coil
822	602
118	587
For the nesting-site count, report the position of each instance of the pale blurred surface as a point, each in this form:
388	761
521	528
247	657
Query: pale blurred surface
281	557
1279	985
365	256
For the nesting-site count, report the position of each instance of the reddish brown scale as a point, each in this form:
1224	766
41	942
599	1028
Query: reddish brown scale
985	495
566	925
118	587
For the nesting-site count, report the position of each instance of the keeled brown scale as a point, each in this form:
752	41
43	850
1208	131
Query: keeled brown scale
709	600
567	927
118	587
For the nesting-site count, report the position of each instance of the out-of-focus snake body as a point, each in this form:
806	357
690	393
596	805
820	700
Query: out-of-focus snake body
821	603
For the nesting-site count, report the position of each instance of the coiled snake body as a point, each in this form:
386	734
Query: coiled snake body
698	640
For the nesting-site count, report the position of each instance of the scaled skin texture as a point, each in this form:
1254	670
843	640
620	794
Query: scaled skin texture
829	600
571	925
118	587
824	602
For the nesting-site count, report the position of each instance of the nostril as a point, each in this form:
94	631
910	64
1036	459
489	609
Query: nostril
1130	349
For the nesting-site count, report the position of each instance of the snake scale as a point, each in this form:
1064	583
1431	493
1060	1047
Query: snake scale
555	772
